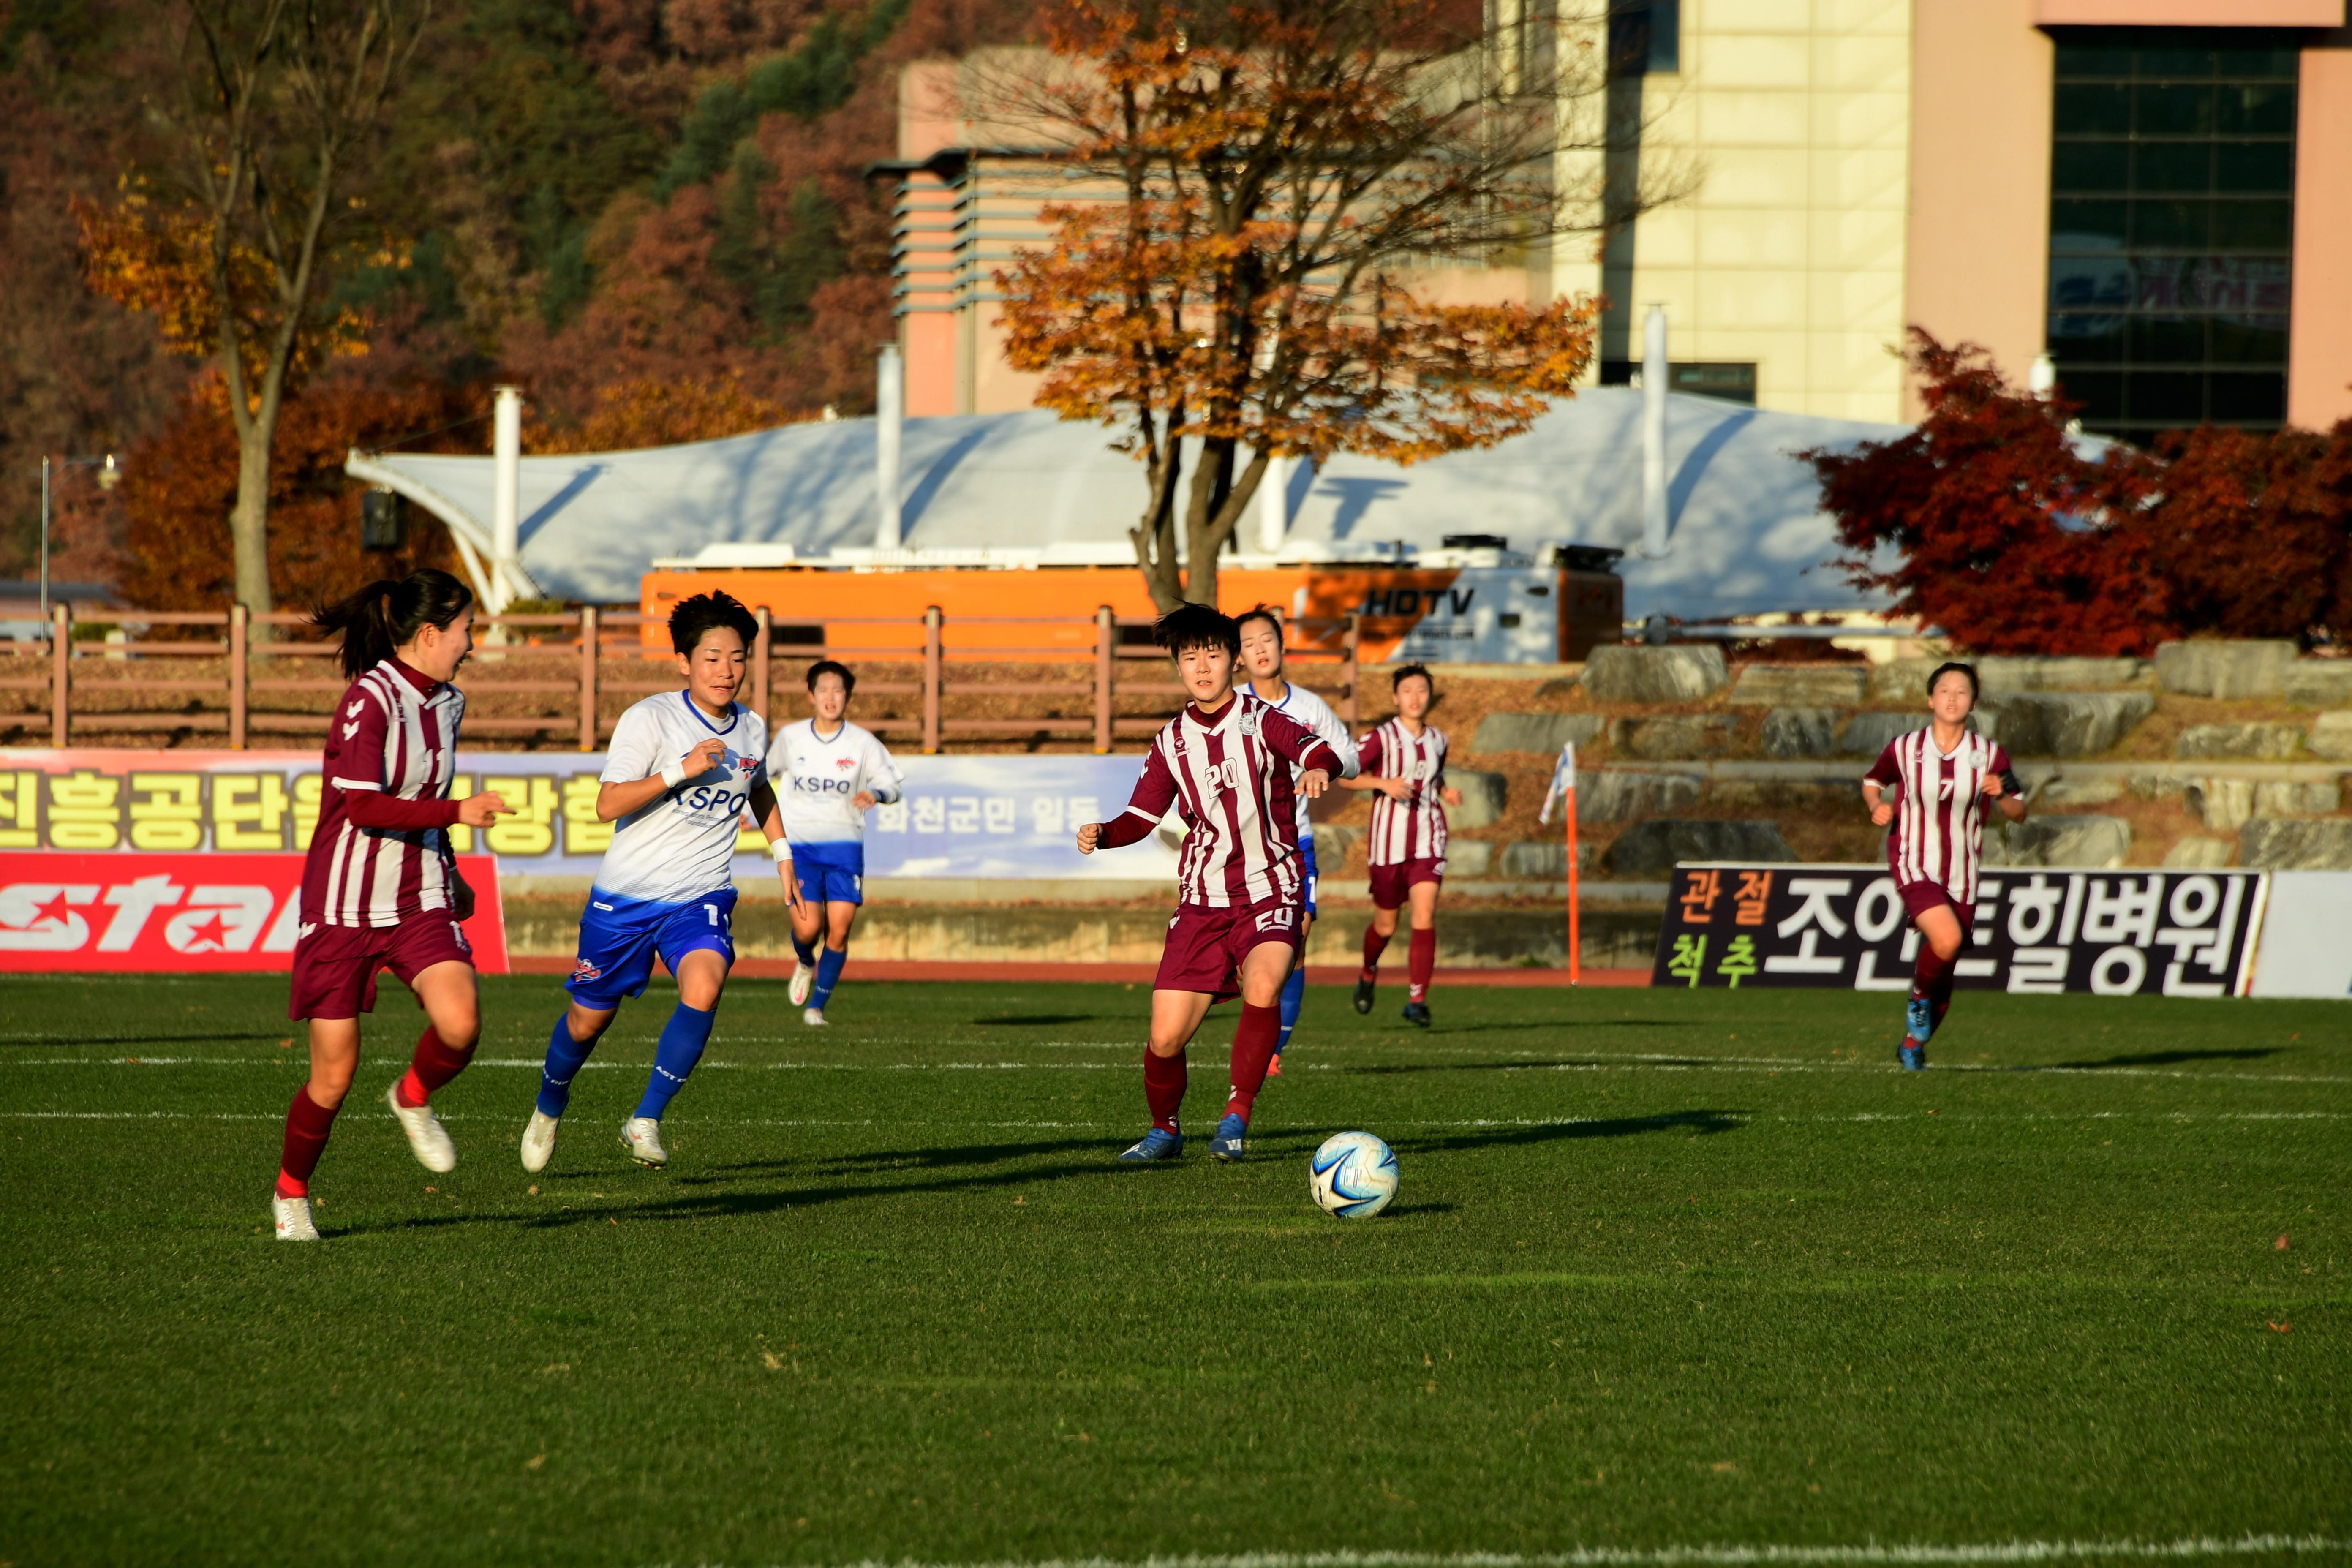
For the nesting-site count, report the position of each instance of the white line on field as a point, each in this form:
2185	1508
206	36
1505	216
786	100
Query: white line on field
1658	1556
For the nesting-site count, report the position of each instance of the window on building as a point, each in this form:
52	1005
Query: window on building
1644	36
1724	379
2172	226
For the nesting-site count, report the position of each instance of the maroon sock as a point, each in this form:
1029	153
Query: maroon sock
1163	1087
306	1125
1254	1039
1939	995
1928	972
1375	945
434	1065
1423	962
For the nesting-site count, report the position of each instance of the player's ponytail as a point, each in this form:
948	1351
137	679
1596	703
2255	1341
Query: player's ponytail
374	622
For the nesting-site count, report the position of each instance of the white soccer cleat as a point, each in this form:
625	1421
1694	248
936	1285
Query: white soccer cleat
641	1136
293	1217
804	981
539	1141
815	1019
426	1139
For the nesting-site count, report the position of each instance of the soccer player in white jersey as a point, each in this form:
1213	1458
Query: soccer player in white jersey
1261	633
1945	777
828	773
680	771
1404	764
1233	768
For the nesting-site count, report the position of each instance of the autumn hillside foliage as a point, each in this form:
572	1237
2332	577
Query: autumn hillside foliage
2001	531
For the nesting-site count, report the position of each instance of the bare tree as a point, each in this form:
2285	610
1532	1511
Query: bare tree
278	104
1258	189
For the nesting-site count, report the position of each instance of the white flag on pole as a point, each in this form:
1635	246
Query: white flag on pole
1563	782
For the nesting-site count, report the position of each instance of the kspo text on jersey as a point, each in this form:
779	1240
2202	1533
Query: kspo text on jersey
728	795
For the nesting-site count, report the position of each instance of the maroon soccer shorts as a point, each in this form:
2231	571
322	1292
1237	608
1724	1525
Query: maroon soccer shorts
335	966
1391	884
1919	897
1205	946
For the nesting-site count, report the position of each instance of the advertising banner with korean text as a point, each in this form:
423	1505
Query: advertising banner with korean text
981	816
2112	933
136	911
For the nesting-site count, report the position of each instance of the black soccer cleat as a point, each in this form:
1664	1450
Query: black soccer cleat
1365	986
1417	1013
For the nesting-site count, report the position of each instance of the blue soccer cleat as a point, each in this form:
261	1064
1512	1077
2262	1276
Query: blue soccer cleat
1919	1019
1225	1144
1913	1056
1157	1144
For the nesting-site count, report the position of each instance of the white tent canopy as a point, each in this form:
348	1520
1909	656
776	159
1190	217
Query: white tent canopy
1747	531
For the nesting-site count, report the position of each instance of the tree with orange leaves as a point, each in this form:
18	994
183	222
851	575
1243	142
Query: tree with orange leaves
1265	176
231	231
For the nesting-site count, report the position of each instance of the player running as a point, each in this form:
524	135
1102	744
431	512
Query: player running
380	887
681	769
1403	762
1226	762
1261	633
829	772
1944	775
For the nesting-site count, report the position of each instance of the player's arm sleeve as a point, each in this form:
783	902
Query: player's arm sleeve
1368	754
1155	792
376	808
632	755
883	779
1335	735
1298	743
1886	770
356	744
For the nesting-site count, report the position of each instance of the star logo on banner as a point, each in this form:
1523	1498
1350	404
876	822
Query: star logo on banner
211	931
59	909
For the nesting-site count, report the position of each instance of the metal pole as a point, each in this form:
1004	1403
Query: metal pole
1654	543
506	494
889	415
45	536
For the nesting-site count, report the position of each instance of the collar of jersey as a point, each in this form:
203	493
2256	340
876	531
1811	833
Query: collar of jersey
732	711
832	739
424	684
1210	722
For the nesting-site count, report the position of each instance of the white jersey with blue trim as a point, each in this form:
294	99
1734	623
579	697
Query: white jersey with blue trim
680	844
1311	710
817	776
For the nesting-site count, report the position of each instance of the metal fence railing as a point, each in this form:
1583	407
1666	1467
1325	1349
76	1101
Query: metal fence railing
563	678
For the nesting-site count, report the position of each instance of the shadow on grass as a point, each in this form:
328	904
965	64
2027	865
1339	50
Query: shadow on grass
2168	1058
1704	1122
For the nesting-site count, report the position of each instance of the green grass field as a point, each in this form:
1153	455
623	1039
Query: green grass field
1668	1269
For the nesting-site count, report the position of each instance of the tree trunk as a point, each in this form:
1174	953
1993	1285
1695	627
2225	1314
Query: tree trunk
1154	536
248	521
1219	498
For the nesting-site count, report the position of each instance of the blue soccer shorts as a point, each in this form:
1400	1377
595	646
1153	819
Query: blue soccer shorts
828	876
620	938
1306	853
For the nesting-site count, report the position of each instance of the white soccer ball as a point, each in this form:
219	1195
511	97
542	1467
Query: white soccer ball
1354	1175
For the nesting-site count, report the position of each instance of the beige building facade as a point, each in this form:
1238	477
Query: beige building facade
2152	191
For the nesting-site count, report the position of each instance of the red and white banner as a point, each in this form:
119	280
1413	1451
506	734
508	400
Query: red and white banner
144	913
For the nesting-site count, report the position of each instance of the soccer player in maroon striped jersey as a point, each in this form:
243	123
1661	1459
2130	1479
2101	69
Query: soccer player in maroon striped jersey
1403	762
380	887
1946	777
1226	764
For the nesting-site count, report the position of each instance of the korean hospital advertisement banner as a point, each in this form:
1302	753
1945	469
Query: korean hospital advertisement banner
2111	933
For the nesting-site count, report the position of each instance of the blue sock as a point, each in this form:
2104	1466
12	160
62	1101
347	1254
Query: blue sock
804	950
565	1057
828	975
680	1046
1294	991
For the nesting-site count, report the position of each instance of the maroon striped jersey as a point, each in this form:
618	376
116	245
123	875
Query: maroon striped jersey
1938	834
380	853
1228	774
1413	828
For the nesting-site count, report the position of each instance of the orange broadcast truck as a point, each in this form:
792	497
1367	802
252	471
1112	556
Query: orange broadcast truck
1472	602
